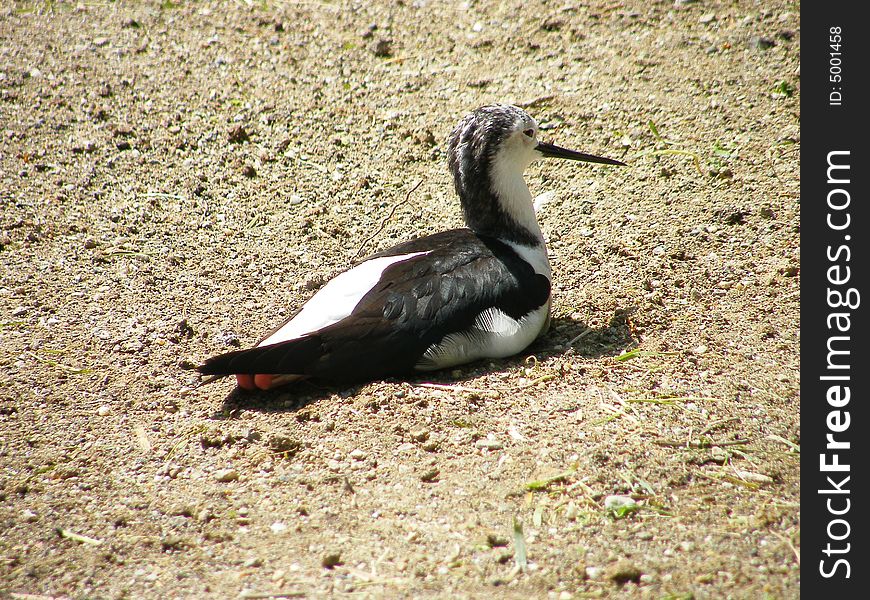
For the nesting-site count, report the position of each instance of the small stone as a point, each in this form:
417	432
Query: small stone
330	561
104	410
615	502
91	243
226	475
687	546
249	171
419	434
488	444
707	18
431	446
229	339
430	476
382	47
761	43
101	41
20	311
494	540
29	516
86	146
205	515
594	572
278	527
238	134
357	454
552	24
623	572
253	562
283	445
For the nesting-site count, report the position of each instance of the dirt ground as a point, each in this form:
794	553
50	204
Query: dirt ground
177	177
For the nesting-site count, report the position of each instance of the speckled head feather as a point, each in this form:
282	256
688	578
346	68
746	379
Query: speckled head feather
474	147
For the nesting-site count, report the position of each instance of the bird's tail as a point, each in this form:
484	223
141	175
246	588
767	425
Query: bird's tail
293	357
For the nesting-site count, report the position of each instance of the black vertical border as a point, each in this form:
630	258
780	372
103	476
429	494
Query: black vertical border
826	128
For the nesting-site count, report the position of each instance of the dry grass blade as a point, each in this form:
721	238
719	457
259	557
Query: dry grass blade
459	388
520	552
388	217
82	539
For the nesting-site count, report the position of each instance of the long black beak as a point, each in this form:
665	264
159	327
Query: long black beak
551	151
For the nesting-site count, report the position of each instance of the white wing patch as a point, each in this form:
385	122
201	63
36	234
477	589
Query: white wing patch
337	299
493	335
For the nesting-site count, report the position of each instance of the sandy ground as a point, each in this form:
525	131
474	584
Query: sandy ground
175	177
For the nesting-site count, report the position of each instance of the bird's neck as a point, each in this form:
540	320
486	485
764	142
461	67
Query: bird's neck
498	204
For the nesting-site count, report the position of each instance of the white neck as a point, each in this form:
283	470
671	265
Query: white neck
508	185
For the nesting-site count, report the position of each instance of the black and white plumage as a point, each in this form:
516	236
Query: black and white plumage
440	300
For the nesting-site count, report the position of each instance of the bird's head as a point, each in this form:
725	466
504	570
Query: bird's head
506	136
487	153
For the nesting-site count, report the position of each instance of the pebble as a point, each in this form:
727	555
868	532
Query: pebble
430	476
623	572
238	134
761	43
226	475
707	18
21	310
357	454
488	444
104	410
29	516
278	527
382	48
614	502
594	572
330	561
431	446
419	434
493	540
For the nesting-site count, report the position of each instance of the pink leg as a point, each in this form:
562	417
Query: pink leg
251	383
264	382
246	382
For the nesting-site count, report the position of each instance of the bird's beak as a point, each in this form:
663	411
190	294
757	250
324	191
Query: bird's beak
551	151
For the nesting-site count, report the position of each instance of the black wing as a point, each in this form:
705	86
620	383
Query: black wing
414	305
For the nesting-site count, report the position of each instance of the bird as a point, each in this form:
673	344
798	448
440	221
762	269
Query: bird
437	301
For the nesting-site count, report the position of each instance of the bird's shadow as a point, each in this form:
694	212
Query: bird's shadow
566	336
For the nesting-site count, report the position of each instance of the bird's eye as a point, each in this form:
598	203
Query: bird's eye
529	133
